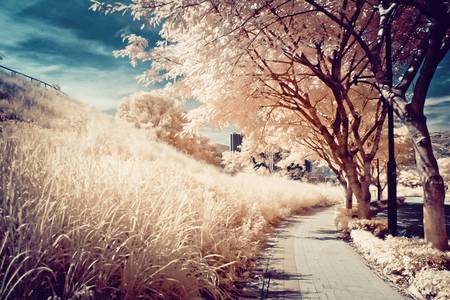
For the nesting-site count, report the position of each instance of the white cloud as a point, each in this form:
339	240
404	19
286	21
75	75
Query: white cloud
438	125
13	7
123	32
102	89
18	31
219	136
436	100
438	114
99	88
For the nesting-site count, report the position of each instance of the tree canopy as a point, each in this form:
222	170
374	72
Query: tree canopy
421	34
309	70
163	118
281	72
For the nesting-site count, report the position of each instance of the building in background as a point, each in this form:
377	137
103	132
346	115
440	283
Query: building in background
235	141
306	171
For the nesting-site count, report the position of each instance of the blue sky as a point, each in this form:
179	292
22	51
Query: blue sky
66	43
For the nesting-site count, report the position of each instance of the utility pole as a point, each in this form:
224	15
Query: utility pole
378	180
392	166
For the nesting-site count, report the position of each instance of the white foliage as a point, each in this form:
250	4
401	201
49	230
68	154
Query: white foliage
280	70
236	162
409	178
164	118
433	283
444	170
90	201
407	260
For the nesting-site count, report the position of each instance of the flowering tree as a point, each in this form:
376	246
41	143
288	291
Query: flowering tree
285	66
281	74
420	39
164	117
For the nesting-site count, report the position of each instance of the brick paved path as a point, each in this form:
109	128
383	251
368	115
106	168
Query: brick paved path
303	259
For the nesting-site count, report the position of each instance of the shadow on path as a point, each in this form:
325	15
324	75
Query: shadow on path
323	235
410	218
303	259
275	283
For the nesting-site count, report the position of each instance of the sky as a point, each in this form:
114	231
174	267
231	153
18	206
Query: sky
65	43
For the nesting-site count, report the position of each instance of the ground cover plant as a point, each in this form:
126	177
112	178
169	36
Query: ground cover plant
94	209
408	262
415	267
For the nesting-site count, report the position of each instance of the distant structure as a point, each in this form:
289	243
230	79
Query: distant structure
235	141
309	165
299	171
269	156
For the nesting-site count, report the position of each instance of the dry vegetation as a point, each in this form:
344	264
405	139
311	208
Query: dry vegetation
416	268
92	209
408	262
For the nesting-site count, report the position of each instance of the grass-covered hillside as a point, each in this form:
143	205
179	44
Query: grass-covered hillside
93	209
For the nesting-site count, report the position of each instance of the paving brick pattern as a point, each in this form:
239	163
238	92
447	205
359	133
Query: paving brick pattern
303	259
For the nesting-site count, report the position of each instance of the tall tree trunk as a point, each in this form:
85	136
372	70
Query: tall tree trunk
434	212
364	208
348	197
433	184
359	188
363	198
348	191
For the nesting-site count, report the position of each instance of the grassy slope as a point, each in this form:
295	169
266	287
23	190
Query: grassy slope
91	209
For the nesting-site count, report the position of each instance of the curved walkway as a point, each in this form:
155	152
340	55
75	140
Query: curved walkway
304	259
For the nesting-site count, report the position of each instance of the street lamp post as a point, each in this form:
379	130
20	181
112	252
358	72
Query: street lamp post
392	178
392	166
378	181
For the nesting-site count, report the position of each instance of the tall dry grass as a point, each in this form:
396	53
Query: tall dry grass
91	209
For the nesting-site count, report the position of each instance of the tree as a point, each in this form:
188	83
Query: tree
256	57
164	117
421	34
278	72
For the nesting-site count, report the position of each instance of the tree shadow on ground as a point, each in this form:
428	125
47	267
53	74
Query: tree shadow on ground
324	235
273	283
275	287
410	219
270	283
